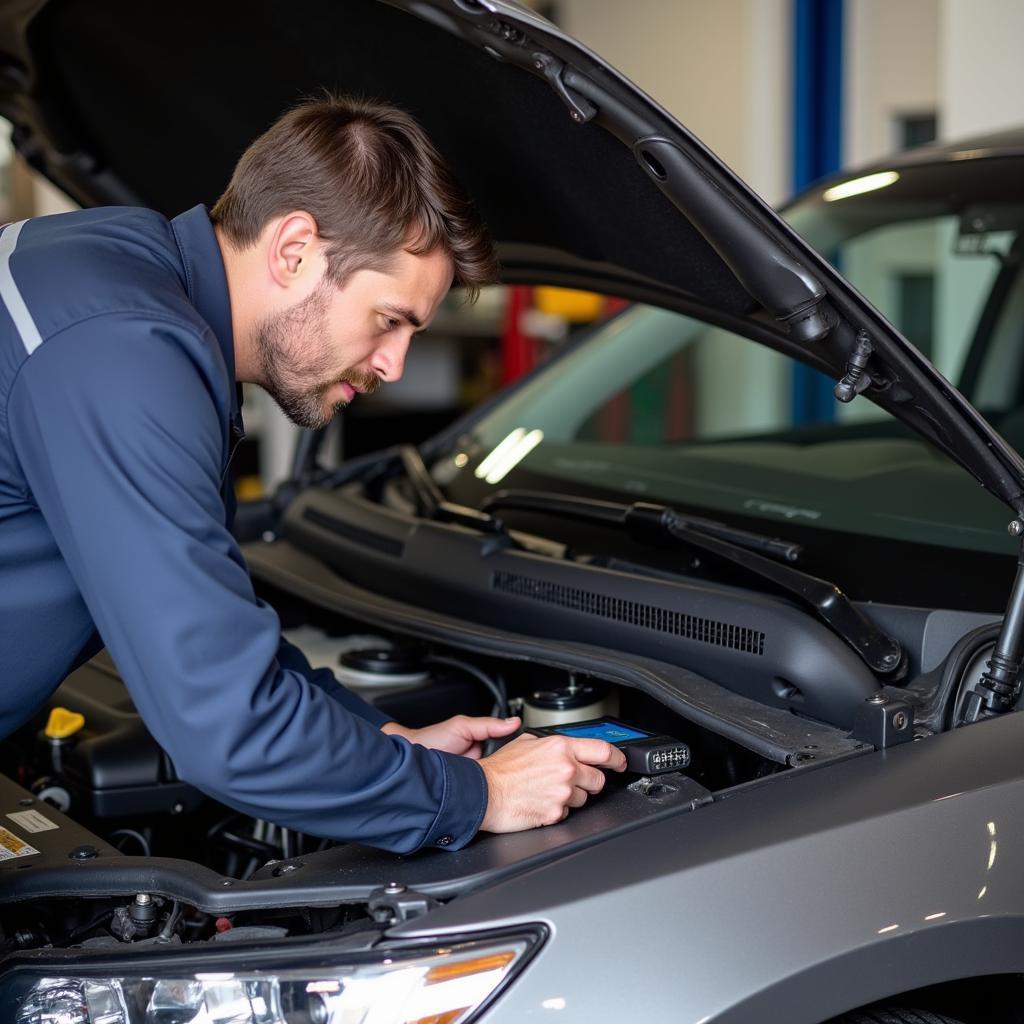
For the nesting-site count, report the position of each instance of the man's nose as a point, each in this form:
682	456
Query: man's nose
388	361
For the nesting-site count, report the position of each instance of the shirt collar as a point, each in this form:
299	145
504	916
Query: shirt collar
207	284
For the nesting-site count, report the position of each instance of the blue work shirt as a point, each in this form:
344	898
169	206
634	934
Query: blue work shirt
118	413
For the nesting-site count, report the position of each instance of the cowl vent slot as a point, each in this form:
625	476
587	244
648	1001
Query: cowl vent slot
634	613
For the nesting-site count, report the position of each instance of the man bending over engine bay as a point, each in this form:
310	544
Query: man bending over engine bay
123	337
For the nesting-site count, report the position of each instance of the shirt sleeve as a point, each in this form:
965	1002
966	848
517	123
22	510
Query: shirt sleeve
116	430
290	657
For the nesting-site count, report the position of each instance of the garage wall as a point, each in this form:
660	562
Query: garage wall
724	70
982	66
892	69
959	58
721	68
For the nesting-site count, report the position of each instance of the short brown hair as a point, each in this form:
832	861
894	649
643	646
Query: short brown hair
372	180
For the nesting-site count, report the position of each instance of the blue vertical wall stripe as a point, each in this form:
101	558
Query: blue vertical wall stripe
817	146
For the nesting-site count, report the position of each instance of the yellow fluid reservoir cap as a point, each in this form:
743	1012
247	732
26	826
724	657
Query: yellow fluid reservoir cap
63	723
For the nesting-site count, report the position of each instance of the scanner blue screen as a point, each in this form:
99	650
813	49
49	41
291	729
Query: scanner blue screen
613	732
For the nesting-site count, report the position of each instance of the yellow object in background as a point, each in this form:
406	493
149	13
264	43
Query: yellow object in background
63	723
248	488
569	304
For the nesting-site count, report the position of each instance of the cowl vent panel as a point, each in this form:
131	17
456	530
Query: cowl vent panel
634	613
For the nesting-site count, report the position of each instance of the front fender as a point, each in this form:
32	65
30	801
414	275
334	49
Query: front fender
881	970
793	899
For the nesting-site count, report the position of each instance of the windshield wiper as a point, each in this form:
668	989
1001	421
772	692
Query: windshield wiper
645	521
431	502
637	517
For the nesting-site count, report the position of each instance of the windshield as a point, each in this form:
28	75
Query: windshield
658	406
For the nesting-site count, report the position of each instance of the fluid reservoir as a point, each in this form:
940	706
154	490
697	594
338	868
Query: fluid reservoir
382	669
575	702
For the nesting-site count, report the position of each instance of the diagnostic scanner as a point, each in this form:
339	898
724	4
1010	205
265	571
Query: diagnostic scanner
646	752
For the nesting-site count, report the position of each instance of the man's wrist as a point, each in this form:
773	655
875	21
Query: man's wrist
464	803
392	728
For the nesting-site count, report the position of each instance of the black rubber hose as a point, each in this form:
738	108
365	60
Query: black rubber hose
495	686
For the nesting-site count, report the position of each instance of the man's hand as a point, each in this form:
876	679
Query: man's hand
459	735
534	781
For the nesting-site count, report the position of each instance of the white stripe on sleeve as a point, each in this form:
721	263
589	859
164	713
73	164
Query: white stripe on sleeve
9	293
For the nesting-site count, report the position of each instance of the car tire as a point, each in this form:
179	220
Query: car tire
893	1015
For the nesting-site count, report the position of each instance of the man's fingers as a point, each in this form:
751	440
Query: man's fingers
484	728
535	781
578	798
503	726
599	753
589	779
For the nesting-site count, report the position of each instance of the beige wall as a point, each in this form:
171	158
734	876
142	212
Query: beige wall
721	68
892	68
980	47
961	58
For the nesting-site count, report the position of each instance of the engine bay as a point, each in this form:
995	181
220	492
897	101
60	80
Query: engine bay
102	842
106	845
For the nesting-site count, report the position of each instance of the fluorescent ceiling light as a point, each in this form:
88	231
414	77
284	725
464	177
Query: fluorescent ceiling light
512	456
498	454
858	186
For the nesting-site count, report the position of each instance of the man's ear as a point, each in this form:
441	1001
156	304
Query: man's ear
293	248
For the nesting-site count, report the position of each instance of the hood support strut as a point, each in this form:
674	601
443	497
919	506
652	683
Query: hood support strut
999	687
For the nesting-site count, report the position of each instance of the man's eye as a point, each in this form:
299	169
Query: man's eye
390	323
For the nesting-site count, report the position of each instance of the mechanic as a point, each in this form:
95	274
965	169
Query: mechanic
123	337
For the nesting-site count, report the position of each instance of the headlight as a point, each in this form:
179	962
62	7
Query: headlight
443	985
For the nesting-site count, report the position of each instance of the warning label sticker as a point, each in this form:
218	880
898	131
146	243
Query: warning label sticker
32	821
12	846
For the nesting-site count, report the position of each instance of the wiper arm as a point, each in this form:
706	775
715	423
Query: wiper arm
636	516
881	653
431	502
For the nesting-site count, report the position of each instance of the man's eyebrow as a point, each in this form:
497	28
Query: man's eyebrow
405	313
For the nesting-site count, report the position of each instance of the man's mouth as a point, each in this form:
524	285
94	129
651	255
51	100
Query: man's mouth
343	391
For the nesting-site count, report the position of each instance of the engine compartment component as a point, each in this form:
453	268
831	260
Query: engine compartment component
72	862
291	579
36	835
756	645
109	766
570	703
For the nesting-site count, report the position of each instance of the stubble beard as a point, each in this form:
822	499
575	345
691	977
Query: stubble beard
294	354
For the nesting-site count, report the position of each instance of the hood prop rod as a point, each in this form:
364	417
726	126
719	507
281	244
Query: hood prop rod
999	687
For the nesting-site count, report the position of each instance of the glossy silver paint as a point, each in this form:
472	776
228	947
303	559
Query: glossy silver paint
793	900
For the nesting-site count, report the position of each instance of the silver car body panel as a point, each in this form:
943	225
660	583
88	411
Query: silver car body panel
790	900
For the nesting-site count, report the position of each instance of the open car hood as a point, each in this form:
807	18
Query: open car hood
582	178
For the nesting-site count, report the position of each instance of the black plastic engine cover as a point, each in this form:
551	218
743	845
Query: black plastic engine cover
113	768
35	836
